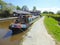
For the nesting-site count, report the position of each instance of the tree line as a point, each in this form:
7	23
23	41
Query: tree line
50	12
5	9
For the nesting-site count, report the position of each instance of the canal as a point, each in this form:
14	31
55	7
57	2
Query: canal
10	39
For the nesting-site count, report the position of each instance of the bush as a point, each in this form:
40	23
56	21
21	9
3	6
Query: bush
5	13
58	12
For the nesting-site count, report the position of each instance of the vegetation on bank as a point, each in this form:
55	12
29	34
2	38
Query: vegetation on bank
52	27
53	15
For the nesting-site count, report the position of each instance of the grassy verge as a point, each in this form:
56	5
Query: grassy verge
52	28
53	15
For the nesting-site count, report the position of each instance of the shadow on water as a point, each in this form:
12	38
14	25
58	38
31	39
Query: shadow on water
11	33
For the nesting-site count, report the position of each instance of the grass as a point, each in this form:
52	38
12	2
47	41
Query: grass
52	28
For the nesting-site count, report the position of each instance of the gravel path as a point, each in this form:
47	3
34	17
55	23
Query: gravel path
38	35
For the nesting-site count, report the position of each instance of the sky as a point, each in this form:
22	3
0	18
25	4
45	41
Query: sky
49	5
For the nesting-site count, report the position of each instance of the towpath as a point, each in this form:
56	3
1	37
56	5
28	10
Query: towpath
38	35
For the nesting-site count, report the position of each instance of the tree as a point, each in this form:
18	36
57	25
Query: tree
6	9
34	8
58	12
25	8
10	7
2	5
5	13
18	8
51	12
45	12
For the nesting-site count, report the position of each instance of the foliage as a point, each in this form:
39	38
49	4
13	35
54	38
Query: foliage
45	12
52	27
18	8
34	8
25	8
5	8
58	12
51	15
10	7
51	12
5	13
2	4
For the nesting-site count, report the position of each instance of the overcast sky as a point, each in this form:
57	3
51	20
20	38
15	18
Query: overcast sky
50	5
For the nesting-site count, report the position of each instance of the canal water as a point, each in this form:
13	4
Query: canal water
6	37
